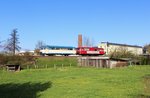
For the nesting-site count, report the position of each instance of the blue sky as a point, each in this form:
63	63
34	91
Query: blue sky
58	22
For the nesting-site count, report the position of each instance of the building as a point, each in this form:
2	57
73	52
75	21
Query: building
57	50
22	53
102	62
110	47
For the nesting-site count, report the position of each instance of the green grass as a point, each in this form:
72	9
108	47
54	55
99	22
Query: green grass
49	62
75	82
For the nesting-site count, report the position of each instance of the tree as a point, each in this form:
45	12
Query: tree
39	45
146	49
87	42
1	44
12	42
121	52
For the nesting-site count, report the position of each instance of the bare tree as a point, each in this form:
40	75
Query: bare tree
12	42
87	42
39	45
1	44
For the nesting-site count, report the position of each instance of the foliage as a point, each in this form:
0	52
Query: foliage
121	53
14	59
75	82
12	43
2	59
37	51
147	48
144	60
41	62
1	46
38	47
28	60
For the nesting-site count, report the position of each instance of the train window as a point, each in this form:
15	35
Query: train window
86	49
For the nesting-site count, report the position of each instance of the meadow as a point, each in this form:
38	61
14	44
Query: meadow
75	82
51	62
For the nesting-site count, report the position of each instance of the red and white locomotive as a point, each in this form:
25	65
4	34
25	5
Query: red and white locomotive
90	51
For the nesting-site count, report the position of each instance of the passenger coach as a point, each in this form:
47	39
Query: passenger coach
58	50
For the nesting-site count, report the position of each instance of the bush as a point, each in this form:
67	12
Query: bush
121	53
2	59
145	60
19	60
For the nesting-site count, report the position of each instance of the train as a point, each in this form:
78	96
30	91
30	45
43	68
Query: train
69	51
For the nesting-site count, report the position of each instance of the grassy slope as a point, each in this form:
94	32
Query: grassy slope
74	83
43	62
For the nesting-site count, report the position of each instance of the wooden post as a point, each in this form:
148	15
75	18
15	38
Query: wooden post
109	63
19	68
35	66
62	65
87	62
7	68
81	62
70	64
3	68
94	63
54	66
27	66
130	63
97	63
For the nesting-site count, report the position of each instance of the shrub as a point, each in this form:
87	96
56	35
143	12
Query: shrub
2	59
145	60
121	53
19	60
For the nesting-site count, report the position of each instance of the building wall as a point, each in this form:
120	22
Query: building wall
101	62
111	47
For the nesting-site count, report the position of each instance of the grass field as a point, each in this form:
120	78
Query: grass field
50	62
75	82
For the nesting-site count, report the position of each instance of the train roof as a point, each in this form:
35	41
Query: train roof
53	46
109	43
88	47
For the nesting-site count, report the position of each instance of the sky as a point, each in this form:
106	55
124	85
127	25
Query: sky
58	22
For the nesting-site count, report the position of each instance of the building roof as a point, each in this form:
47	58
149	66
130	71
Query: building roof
62	47
109	43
